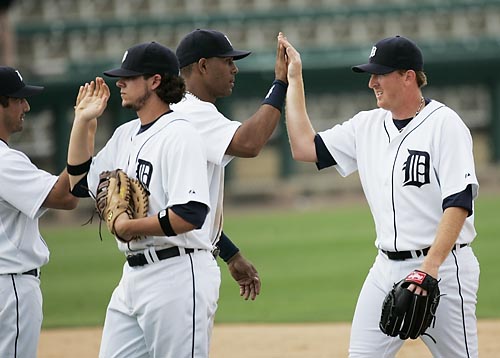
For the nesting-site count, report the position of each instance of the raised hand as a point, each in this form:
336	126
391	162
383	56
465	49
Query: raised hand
294	61
280	67
92	100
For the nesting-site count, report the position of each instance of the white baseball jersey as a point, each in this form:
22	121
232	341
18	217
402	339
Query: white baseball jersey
166	307
405	176
217	132
167	159
23	189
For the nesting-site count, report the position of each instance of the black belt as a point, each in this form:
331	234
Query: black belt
140	259
403	255
33	272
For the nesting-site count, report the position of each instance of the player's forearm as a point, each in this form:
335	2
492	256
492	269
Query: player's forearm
300	131
79	150
254	133
150	226
60	196
449	228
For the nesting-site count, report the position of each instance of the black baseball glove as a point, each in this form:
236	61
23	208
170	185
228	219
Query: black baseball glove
407	314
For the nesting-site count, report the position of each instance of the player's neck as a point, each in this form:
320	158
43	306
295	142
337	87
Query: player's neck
151	111
410	110
199	93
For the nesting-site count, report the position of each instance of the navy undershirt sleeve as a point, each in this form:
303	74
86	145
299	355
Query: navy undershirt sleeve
325	159
193	212
461	200
80	190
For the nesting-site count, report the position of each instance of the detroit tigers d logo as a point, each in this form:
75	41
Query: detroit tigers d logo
417	168
144	172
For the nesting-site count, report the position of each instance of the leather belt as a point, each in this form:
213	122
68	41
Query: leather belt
403	255
140	259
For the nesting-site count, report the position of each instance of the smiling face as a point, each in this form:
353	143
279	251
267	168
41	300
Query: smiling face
388	90
12	116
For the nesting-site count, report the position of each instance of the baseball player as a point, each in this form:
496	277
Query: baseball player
207	60
26	192
415	162
167	296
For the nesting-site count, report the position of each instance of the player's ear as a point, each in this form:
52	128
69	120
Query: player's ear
201	65
156	80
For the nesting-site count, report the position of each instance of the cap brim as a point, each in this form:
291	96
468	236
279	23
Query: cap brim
236	54
121	72
27	91
373	68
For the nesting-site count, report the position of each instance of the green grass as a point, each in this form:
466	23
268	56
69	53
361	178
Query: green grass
312	265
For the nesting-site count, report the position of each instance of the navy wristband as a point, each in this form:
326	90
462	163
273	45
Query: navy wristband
165	223
276	95
227	248
79	169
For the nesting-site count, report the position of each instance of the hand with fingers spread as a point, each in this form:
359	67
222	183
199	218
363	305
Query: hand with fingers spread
245	274
92	100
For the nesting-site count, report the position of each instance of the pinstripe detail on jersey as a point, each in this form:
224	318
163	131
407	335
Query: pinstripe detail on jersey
394	223
462	302
17	315
193	327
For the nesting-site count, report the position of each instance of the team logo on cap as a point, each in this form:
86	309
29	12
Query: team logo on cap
19	75
124	56
374	50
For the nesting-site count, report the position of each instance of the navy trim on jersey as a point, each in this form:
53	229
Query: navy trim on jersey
325	158
461	200
145	127
462	303
17	314
194	305
401	123
392	176
193	212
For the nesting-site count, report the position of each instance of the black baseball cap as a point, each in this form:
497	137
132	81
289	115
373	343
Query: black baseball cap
146	58
202	43
12	84
393	53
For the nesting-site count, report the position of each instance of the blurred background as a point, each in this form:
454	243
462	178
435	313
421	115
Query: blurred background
62	44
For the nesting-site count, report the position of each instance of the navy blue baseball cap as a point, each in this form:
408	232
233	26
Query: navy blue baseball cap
146	58
12	84
202	43
390	54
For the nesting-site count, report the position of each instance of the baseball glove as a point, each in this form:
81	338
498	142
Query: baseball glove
118	194
407	314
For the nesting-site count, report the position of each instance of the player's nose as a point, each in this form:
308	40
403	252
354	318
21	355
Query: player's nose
373	82
27	107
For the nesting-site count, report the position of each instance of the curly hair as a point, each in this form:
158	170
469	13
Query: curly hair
171	88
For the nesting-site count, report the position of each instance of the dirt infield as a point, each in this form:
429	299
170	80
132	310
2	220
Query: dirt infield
262	341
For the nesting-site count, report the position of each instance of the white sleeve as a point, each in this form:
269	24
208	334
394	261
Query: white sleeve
341	143
186	164
23	185
217	131
455	166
